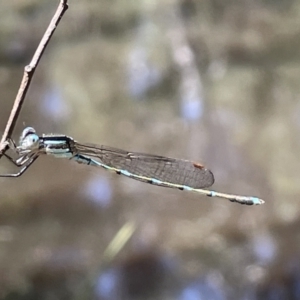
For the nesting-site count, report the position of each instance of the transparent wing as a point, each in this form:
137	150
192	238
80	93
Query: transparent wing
164	169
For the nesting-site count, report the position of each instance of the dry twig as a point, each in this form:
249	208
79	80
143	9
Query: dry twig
28	74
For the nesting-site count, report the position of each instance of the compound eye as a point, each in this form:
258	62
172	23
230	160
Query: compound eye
26	134
31	142
27	131
34	138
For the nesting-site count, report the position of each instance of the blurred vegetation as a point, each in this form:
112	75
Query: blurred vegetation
213	81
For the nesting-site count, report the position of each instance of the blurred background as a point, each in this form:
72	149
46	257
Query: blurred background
214	81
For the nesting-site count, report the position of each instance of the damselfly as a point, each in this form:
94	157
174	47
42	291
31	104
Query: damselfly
157	170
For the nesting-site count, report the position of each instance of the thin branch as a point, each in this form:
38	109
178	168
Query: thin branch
28	74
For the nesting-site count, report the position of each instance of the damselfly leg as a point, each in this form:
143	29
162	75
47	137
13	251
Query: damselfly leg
25	164
24	161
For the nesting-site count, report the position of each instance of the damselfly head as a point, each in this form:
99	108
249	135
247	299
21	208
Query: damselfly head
29	140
